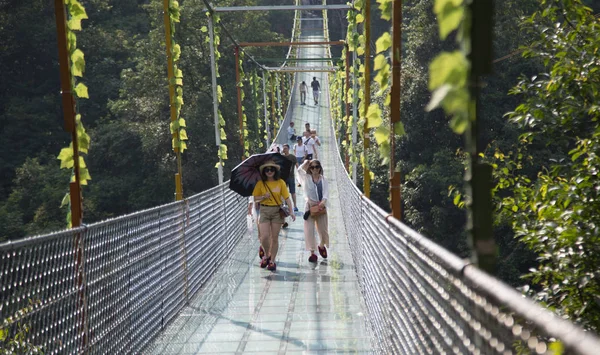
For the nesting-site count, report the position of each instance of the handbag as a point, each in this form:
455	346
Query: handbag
284	210
316	211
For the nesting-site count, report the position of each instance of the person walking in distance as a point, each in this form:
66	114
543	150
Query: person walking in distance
300	153
291	181
316	190
303	90
270	192
291	132
316	87
311	147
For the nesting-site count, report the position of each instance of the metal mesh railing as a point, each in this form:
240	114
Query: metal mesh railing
422	299
111	287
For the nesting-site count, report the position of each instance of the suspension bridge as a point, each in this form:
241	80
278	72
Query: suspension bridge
183	278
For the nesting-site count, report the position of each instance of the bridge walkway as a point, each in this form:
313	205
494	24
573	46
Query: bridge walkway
301	307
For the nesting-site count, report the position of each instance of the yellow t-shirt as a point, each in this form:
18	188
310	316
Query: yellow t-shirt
279	192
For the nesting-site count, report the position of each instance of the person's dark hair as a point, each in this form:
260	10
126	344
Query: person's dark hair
286	145
315	162
276	176
314	78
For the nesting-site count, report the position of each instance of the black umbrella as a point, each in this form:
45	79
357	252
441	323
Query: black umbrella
245	176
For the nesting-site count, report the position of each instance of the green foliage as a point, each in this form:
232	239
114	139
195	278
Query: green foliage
13	334
551	199
176	127
75	13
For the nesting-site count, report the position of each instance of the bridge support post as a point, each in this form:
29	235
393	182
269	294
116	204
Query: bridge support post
238	86
367	98
69	112
213	71
479	175
267	131
395	105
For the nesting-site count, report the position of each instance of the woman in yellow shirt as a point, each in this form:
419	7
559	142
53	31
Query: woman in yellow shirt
270	192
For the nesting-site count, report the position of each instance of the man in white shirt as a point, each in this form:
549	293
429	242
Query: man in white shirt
300	152
311	147
291	132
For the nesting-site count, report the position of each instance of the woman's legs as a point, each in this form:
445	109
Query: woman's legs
265	236
275	228
323	228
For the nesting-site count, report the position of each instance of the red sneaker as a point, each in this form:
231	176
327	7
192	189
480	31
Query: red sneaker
264	262
323	251
312	258
261	252
272	266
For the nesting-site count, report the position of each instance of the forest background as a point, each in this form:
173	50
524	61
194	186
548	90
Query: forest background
545	218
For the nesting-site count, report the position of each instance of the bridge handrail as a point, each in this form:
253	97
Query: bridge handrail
422	298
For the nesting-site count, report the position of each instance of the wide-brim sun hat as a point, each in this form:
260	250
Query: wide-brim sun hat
269	163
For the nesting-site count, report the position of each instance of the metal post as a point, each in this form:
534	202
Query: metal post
347	63
479	175
396	54
266	112
367	98
273	105
354	113
278	85
213	70
239	98
172	106
69	112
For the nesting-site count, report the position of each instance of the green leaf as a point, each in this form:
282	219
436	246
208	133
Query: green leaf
66	199
183	134
76	10
359	18
66	158
203	29
450	15
374	116
3	334
385	6
181	122
380	61
399	129
437	97
448	68
176	52
223	151
383	42
382	134
84	176
223	134
459	123
81	91
77	63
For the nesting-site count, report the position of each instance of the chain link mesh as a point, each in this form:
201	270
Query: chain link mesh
111	287
422	299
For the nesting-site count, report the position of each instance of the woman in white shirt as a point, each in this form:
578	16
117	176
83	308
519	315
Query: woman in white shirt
316	191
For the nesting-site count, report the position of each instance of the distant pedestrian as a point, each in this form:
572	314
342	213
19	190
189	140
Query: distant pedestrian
311	146
316	190
316	87
300	153
291	132
303	90
291	181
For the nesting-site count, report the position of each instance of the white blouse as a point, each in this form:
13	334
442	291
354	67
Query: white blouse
309	186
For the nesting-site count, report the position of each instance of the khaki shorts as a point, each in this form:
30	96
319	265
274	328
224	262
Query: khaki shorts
270	214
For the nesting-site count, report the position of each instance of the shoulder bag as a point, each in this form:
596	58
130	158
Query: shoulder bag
284	210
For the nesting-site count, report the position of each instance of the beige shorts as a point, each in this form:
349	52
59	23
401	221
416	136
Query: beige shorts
270	214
